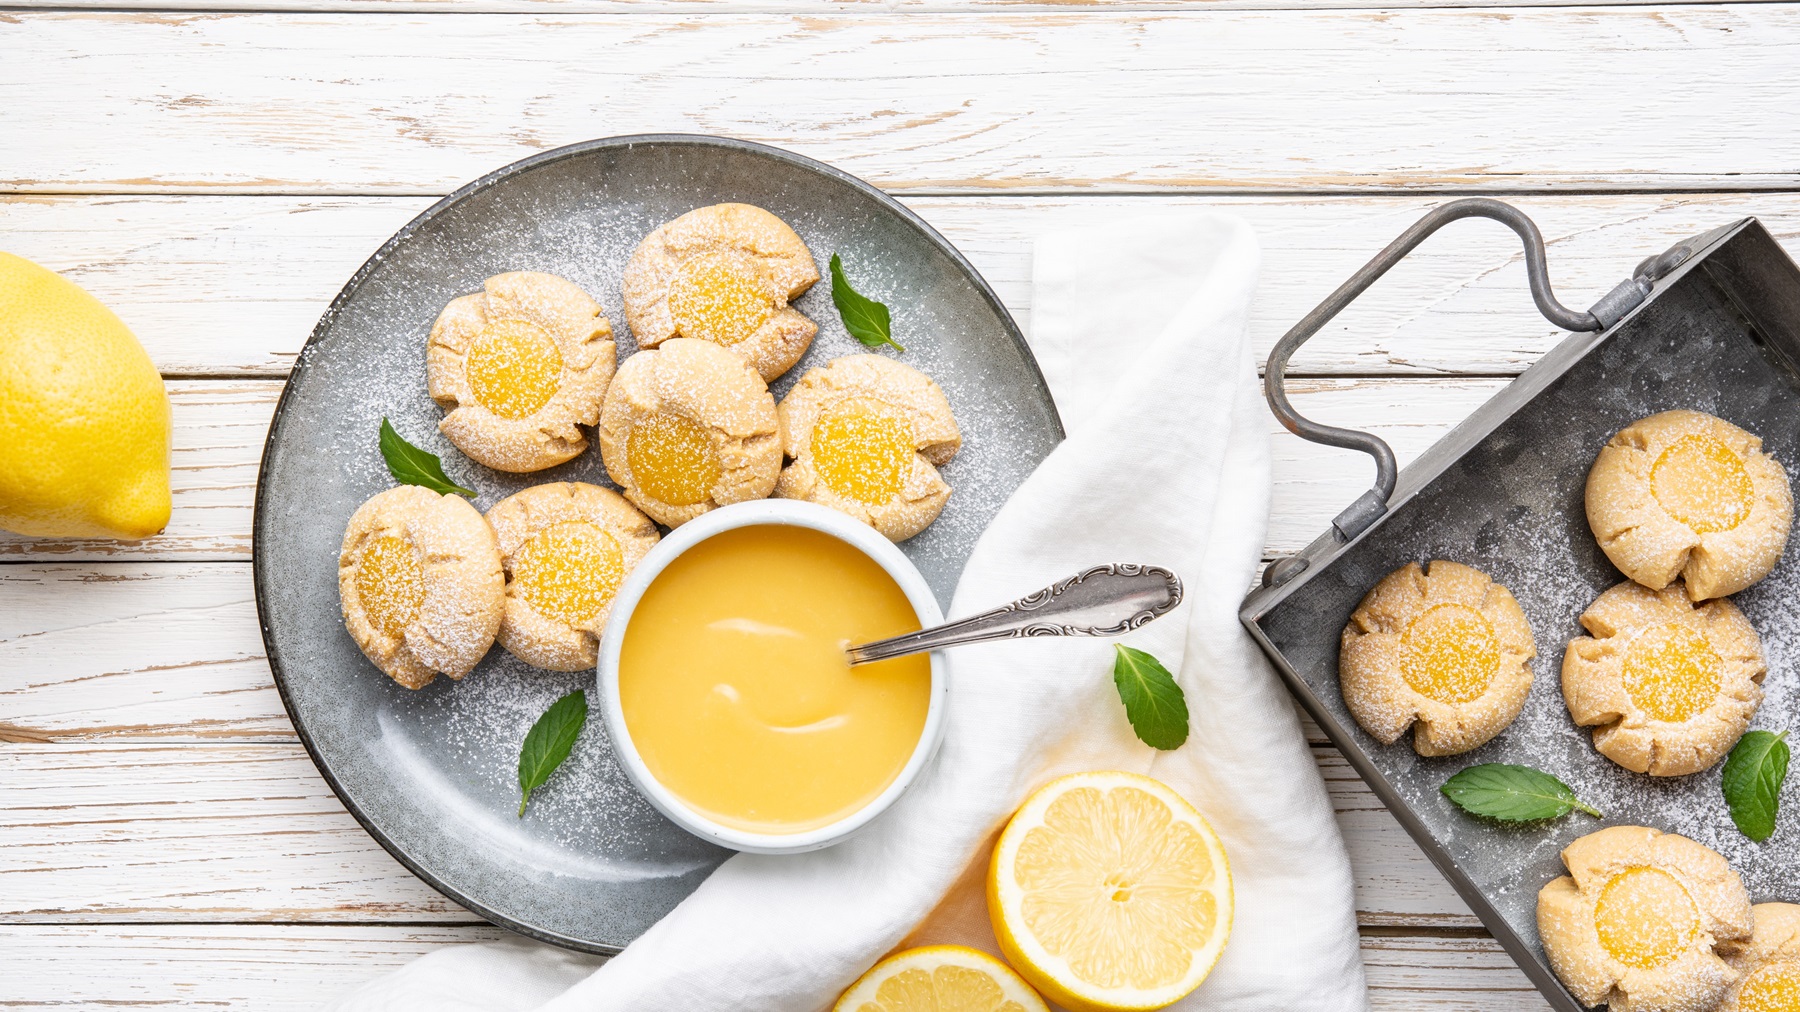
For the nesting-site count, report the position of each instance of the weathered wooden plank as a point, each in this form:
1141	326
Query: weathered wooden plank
220	427
256	968
276	968
133	651
191	833
215	832
809	8
1465	974
233	285
1370	100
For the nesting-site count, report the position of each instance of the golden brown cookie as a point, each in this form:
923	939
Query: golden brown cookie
518	366
867	435
688	427
1684	494
1667	685
724	274
419	580
1768	965
1641	920
566	547
1443	646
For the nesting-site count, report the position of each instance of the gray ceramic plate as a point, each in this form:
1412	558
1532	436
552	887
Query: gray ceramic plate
432	774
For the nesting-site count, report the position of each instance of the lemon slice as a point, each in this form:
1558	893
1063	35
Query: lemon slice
1109	892
940	978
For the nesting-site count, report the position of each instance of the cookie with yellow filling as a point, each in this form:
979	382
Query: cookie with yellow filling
1668	686
1685	495
565	546
420	584
1641	921
518	367
1768	965
1441	646
724	274
867	436
688	427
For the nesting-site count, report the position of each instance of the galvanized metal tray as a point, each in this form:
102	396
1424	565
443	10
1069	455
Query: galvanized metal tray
1713	325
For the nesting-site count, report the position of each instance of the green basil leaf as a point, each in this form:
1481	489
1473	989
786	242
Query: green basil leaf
412	466
865	319
1753	776
1512	793
548	743
1153	700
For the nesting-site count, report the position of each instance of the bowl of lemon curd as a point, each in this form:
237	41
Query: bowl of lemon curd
726	690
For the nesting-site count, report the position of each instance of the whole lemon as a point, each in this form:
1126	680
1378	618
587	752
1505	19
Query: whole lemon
84	418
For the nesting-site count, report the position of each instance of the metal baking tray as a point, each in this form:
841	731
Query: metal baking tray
1713	324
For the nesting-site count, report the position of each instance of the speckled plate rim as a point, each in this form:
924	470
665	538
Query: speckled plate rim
349	292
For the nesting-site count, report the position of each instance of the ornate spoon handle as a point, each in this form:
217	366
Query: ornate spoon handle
1102	601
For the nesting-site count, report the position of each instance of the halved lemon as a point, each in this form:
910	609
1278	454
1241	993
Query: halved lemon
940	978
1109	892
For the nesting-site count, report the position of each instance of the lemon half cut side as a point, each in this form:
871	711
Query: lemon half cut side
940	978
1109	892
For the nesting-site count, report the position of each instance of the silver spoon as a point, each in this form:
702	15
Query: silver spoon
1102	601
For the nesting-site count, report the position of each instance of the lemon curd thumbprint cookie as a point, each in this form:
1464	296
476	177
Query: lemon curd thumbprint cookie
1768	966
420	583
1668	686
867	435
724	274
688	427
1441	646
1641	921
566	547
518	367
1684	494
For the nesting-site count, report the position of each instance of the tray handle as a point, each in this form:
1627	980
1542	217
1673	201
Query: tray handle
1372	504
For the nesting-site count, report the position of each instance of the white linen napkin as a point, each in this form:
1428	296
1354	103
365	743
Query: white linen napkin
1140	328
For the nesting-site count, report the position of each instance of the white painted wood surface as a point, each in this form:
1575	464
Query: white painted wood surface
289	968
216	175
1665	97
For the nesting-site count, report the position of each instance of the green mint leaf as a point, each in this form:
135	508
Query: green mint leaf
1512	793
412	466
1753	775
1153	701
865	319
548	743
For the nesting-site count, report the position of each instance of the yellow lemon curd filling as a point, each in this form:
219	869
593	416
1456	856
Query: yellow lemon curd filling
946	987
738	694
1671	672
569	571
514	368
1450	653
1701	482
390	583
672	459
1645	917
863	448
1773	988
1103	865
719	298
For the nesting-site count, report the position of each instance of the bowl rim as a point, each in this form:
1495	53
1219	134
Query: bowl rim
765	512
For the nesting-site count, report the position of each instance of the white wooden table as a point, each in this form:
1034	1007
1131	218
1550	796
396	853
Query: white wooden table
215	169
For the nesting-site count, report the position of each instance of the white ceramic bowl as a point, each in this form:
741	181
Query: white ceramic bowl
748	514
